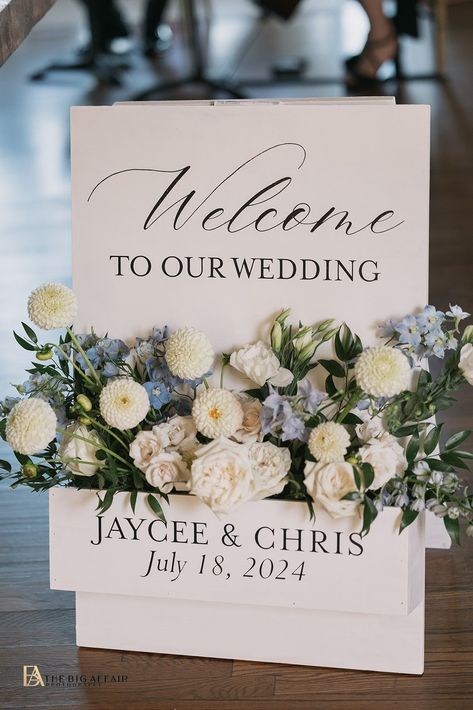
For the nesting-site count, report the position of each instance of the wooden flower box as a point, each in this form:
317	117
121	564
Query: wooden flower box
264	584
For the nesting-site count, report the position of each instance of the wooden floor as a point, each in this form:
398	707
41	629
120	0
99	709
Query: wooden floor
36	624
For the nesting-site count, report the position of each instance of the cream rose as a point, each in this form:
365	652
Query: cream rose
258	362
270	465
387	458
250	429
78	456
466	362
371	428
148	444
328	483
165	470
221	475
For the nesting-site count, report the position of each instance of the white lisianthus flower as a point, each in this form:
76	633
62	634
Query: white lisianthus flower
31	426
465	363
165	470
386	457
52	306
250	429
148	444
270	465
221	475
179	430
382	371
258	362
124	403
217	412
328	483
370	429
189	353
329	442
78	456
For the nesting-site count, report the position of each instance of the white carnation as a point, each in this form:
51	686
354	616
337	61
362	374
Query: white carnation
124	403
165	470
270	465
221	475
465	363
328	483
52	306
382	371
189	353
77	455
386	457
258	362
217	412
31	426
329	442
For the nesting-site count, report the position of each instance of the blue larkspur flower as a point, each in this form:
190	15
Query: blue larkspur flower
388	329
409	331
430	319
310	396
158	393
436	342
457	313
278	418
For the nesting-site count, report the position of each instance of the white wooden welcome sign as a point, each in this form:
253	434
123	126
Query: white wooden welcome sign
218	216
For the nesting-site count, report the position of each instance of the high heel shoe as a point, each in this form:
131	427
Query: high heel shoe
370	54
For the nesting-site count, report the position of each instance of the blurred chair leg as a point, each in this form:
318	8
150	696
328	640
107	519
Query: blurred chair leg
440	13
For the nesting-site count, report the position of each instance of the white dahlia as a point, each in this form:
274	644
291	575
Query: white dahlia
217	412
52	306
382	371
329	442
189	353
124	403
31	426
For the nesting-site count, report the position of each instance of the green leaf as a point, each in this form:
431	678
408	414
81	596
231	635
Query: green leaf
333	367
457	439
368	474
424	378
405	430
101	455
356	476
408	517
432	439
156	507
464	454
24	343
137	479
352	419
451	458
108	500
453	529
353	495
330	386
30	332
133	496
5	465
344	343
412	448
369	515
436	465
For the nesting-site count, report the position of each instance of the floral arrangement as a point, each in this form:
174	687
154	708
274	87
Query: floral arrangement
96	413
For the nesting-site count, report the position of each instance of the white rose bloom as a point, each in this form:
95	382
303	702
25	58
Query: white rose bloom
124	403
329	442
382	371
370	429
466	362
387	458
328	483
217	412
165	470
148	444
189	353
52	306
221	475
31	426
258	362
270	466
180	430
250	429
72	449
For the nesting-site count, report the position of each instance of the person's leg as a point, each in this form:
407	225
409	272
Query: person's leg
156	35
106	23
381	43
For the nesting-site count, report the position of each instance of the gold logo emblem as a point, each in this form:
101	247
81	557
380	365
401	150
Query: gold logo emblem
32	677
